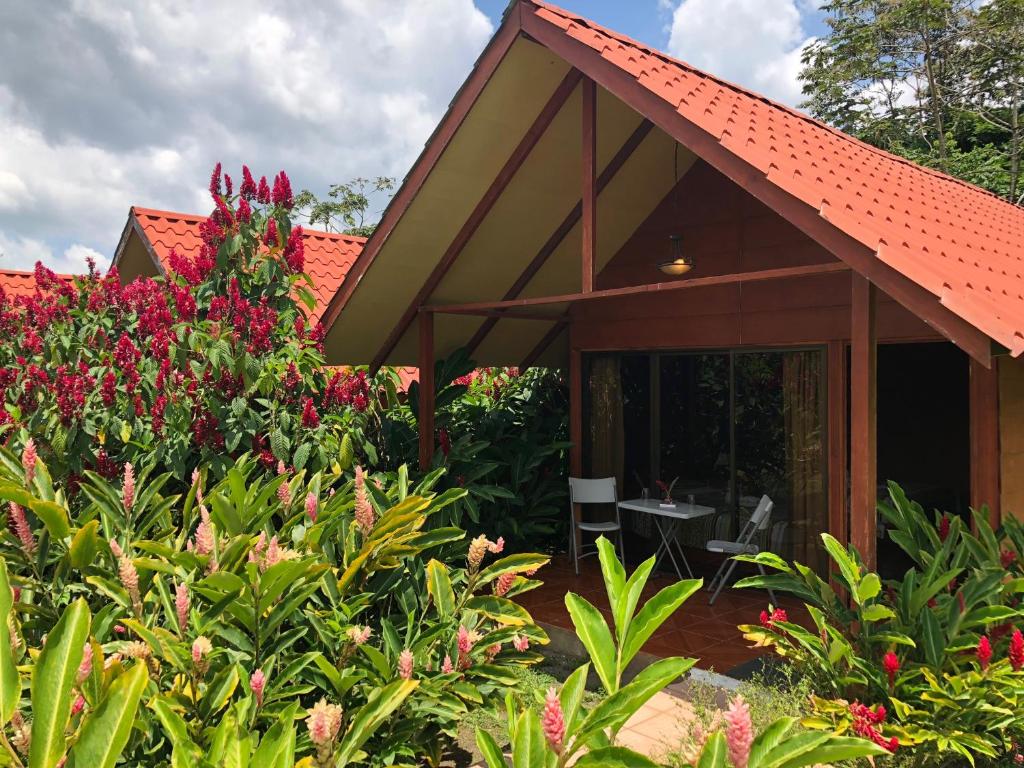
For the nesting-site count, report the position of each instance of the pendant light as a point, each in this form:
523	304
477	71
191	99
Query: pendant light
677	262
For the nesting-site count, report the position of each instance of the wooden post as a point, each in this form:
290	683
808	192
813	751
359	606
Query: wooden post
838	515
576	424
984	415
426	388
863	412
589	182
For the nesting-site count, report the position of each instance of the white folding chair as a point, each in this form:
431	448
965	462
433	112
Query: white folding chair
744	545
597	491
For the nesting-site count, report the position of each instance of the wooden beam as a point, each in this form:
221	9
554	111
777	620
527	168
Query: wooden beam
588	162
863	412
984	418
838	517
486	65
632	290
553	333
563	229
426	390
479	213
810	220
494	313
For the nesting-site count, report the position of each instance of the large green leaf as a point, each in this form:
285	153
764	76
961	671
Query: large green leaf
714	753
593	632
369	717
106	730
629	598
615	757
611	569
10	680
52	680
54	517
185	753
837	749
277	747
653	615
489	749
529	749
439	586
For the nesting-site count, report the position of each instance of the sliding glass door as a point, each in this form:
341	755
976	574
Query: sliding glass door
727	427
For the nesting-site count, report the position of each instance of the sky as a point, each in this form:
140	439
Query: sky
105	104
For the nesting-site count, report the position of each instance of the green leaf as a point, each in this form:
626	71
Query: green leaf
345	453
185	753
512	564
368	718
54	517
528	747
52	681
847	567
489	749
653	615
769	738
10	680
877	612
439	586
106	730
714	753
615	757
624	609
869	587
836	750
277	747
501	609
593	632
621	705
611	569
85	545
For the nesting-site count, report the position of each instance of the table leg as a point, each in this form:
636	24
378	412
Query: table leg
666	546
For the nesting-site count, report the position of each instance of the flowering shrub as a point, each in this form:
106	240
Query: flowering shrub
216	359
256	601
932	662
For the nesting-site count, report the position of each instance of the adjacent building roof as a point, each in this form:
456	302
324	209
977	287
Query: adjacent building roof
328	255
18	282
961	243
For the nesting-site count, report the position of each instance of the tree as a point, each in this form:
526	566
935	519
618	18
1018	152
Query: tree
346	208
937	81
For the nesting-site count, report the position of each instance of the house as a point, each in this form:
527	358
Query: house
744	298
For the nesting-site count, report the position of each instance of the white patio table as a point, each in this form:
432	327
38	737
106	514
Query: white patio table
667	521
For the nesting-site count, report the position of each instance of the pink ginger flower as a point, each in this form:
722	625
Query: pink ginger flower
359	635
78	706
204	536
257	682
478	547
181	605
29	456
284	494
197	481
86	666
311	506
521	642
984	652
281	468
128	575
405	662
1016	652
323	722
446	665
128	486
739	732
22	528
364	515
504	584
465	640
201	648
768	619
553	721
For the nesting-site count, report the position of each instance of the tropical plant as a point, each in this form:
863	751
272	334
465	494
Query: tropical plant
936	650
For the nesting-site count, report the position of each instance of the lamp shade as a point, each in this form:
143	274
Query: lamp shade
677	264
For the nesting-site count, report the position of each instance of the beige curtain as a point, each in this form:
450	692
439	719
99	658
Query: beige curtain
606	430
805	458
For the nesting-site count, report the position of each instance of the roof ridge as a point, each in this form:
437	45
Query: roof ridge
160	213
651	51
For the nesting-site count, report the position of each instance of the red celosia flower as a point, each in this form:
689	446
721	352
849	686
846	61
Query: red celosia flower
270	238
215	182
294	253
248	188
310	418
891	665
944	528
282	194
445	441
768	619
1016	652
984	652
864	721
263	191
1007	558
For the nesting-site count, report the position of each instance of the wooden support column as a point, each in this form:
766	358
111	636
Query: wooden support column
984	416
838	514
575	412
426	390
589	183
863	411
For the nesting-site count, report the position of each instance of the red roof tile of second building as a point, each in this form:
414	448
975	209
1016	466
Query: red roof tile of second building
961	243
328	255
19	282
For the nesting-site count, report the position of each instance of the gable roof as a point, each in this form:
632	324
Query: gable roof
328	255
949	251
958	241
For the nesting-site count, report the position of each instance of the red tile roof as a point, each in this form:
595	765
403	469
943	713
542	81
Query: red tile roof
961	243
328	255
17	282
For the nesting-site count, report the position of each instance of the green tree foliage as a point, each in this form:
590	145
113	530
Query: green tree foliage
346	208
936	81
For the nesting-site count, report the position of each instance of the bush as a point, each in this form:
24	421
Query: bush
931	662
252	599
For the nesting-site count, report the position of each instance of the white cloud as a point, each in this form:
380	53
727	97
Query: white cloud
753	43
134	102
23	252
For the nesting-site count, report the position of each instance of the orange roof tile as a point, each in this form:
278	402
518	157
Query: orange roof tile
18	282
328	255
961	243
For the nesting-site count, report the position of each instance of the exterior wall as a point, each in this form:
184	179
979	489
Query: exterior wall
727	231
1011	435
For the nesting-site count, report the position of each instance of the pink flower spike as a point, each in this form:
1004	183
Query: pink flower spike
311	506
22	528
446	665
181	606
128	486
405	662
86	666
739	732
553	721
984	652
257	682
1016	652
521	643
28	461
323	722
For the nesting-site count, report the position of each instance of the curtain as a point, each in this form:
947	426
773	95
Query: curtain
606	424
805	457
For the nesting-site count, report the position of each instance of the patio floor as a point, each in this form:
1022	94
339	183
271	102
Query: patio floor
706	632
